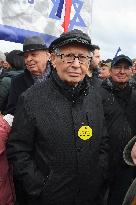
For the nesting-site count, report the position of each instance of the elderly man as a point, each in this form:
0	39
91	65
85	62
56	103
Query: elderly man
36	58
58	145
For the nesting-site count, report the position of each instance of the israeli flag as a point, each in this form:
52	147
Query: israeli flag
23	18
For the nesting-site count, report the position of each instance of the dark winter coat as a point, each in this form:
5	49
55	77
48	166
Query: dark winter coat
132	81
54	165
121	130
95	80
18	85
5	83
126	101
116	121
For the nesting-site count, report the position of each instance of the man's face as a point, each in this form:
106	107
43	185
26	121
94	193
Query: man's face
6	65
121	73
104	72
96	58
1	63
72	63
36	61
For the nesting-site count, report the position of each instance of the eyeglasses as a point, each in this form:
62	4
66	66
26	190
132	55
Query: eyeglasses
69	58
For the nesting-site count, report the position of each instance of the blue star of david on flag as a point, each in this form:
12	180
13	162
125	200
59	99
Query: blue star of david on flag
77	20
46	18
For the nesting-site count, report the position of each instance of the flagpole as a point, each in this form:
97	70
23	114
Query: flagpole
118	50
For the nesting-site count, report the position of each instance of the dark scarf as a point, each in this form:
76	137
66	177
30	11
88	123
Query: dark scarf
44	76
72	93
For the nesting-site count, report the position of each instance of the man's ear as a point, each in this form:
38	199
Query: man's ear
48	54
53	60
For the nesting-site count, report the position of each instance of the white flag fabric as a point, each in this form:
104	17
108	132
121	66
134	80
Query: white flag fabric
23	18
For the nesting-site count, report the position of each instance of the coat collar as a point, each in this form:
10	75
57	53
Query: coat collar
122	93
72	93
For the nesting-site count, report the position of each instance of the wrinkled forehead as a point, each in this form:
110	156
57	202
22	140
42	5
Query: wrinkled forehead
32	52
74	48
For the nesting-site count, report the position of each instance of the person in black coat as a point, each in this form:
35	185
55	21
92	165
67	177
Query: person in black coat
59	143
122	129
36	58
17	65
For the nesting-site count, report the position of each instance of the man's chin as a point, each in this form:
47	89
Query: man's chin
74	81
33	71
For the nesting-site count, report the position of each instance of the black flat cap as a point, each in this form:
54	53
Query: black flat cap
70	37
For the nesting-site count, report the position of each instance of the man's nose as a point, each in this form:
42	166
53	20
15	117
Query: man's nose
76	62
122	70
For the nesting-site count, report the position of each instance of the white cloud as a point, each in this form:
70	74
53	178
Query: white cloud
113	25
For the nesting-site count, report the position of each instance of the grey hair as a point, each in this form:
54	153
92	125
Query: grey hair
56	51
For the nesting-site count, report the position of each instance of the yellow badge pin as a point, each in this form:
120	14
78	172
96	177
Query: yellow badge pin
85	132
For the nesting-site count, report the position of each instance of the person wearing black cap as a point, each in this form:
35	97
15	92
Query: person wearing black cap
59	144
36	58
124	96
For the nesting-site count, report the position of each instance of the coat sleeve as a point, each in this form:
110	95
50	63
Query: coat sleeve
20	149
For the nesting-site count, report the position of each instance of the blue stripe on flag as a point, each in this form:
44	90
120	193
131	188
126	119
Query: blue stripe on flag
60	8
9	33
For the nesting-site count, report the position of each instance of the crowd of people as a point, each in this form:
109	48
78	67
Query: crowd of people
67	124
